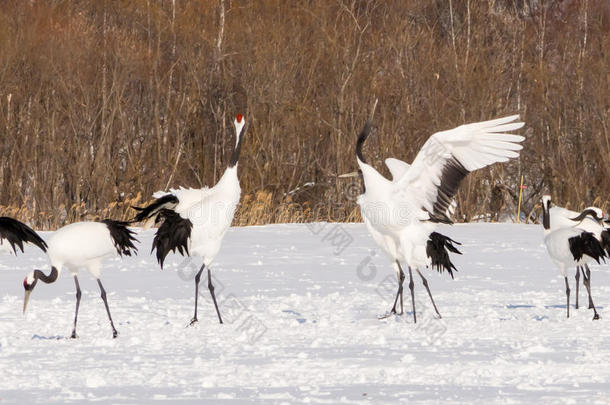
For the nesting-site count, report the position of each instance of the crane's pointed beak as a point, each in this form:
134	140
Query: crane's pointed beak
26	299
347	175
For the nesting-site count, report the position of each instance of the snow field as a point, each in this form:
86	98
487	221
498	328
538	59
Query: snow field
301	306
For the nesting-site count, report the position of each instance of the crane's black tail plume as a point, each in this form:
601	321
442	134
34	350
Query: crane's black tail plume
606	241
122	237
152	211
586	244
438	248
18	233
172	235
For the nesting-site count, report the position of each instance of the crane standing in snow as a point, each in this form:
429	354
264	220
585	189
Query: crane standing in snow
574	240
404	212
437	247
13	234
194	221
83	244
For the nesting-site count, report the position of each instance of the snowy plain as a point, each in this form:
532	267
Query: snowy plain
301	306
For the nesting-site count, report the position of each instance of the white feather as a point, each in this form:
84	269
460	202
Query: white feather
397	168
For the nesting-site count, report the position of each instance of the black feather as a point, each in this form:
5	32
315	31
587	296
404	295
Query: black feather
452	175
122	237
438	248
16	233
606	241
174	233
586	244
152	210
366	131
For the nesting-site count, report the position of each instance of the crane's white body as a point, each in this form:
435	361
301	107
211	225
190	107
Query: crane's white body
558	246
398	169
81	244
78	245
211	211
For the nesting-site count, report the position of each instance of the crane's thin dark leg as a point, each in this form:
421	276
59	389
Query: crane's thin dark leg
425	283
411	287
587	283
577	277
78	295
401	279
211	288
591	306
197	278
567	295
114	332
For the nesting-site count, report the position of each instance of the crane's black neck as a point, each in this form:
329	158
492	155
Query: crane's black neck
51	278
546	215
585	213
361	179
361	138
236	152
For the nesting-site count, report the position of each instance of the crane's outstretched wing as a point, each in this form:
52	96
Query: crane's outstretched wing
448	156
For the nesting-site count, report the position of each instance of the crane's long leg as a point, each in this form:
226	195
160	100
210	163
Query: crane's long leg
425	283
211	288
411	287
577	277
103	292
567	295
78	295
197	278
401	279
591	306
587	283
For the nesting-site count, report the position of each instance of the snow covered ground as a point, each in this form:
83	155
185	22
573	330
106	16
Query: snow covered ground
300	304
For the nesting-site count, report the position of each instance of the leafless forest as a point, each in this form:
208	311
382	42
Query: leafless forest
103	102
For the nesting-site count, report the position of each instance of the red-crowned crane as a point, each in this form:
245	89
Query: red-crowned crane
13	234
194	221
437	247
83	244
405	211
574	239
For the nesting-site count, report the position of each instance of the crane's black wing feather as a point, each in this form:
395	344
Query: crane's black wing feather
18	233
